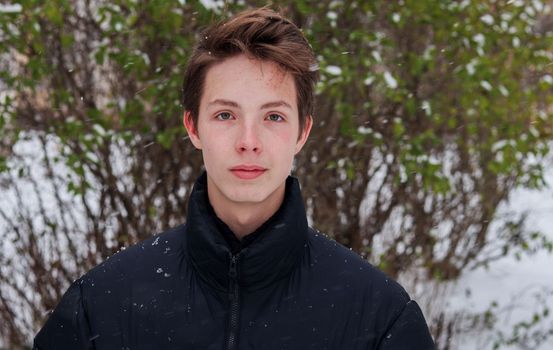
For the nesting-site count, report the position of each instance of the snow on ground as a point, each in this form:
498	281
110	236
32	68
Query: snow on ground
511	283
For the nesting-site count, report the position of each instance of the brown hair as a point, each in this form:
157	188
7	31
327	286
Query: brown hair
260	34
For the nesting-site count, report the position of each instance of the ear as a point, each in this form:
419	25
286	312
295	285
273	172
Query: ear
304	134
192	130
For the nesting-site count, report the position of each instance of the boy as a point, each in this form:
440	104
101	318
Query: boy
245	272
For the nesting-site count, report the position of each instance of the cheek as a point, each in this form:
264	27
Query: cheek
286	148
210	147
285	135
284	142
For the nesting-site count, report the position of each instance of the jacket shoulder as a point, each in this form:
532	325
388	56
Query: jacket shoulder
367	295
346	265
97	301
150	255
354	279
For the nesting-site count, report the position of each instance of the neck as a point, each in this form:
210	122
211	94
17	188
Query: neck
244	218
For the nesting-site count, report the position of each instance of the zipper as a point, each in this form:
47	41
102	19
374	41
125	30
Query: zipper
234	298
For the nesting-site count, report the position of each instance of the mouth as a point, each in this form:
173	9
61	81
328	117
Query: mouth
248	172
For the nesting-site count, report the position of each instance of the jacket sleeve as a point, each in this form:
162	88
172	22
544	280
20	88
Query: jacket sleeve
67	327
408	331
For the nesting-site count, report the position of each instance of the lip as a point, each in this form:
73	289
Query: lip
248	172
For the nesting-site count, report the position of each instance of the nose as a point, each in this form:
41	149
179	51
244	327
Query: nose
248	139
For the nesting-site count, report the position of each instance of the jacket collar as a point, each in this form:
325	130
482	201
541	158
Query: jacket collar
269	254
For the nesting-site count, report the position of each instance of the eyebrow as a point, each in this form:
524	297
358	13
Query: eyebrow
223	103
230	103
274	104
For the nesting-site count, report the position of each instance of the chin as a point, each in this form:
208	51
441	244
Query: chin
248	196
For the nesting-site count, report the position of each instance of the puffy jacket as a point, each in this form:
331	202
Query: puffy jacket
285	286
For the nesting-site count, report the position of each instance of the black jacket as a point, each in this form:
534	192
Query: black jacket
196	287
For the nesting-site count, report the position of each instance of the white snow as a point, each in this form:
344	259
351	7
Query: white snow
479	39
488	19
332	15
376	55
513	284
334	70
10	8
427	107
547	79
390	80
486	85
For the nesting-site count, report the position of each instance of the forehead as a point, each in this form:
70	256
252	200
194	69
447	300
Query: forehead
248	81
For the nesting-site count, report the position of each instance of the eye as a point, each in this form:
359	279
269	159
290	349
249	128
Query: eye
275	117
224	116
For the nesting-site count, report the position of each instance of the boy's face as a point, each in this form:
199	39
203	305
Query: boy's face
247	129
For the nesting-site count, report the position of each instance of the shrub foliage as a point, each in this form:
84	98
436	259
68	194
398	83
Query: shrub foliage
429	114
